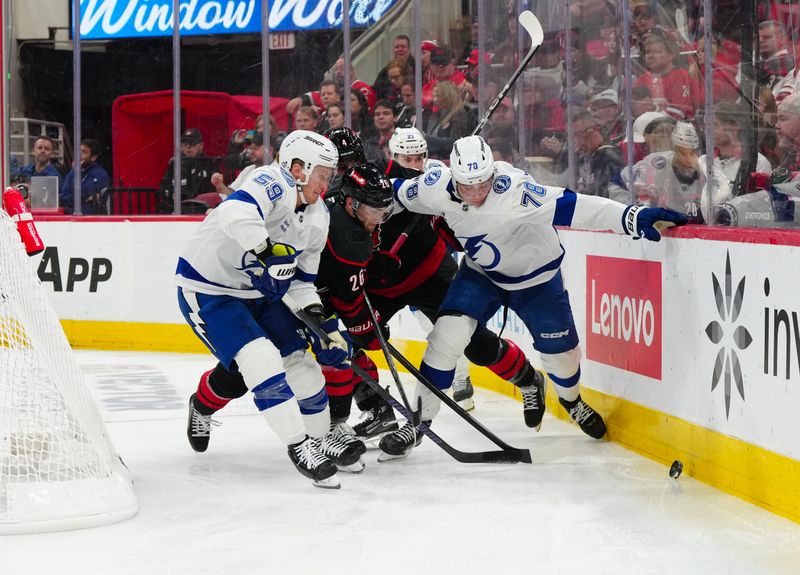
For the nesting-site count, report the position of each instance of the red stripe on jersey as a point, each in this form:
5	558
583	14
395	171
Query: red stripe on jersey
347	308
336	376
419	276
345	260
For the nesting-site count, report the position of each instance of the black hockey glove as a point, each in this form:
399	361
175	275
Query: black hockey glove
641	222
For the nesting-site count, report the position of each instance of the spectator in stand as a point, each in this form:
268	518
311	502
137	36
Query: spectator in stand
645	20
43	150
599	163
502	125
776	61
448	123
196	171
443	71
469	89
640	147
501	143
360	117
605	108
238	155
472	44
788	132
257	155
404	112
328	95
314	98
94	179
377	145
725	85
658	134
428	46
768	116
669	87
401	50
397	72
335	116
306	118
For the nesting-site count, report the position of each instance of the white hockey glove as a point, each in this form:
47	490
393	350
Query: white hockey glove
641	222
338	349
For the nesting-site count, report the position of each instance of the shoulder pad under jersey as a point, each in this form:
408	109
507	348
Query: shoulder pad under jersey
347	239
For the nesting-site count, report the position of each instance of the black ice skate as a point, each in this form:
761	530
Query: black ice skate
590	422
341	446
198	428
533	406
310	461
398	444
375	423
463	392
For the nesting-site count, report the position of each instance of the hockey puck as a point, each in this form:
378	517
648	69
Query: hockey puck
675	469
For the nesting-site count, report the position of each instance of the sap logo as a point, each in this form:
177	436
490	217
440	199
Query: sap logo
412	192
432	177
502	184
78	270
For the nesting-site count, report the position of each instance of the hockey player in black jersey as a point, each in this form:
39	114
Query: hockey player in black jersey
421	279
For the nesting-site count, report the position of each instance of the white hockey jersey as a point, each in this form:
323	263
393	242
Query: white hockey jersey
217	257
511	238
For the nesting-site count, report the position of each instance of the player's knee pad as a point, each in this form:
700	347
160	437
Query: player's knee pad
303	374
338	382
564	368
261	367
447	340
484	346
429	402
227	383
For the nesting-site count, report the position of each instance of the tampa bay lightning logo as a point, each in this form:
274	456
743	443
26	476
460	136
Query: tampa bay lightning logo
474	244
659	162
412	191
249	264
288	177
432	177
501	184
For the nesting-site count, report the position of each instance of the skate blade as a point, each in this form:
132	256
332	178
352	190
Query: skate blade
384	457
357	467
373	442
331	482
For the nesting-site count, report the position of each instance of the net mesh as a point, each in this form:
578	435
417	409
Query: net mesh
52	437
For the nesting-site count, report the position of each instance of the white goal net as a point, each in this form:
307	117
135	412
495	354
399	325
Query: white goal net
58	468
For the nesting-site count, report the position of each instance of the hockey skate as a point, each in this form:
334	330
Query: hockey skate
375	423
463	392
533	406
398	444
590	422
341	446
198	428
310	461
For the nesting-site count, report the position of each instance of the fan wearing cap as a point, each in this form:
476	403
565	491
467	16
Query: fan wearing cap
442	70
196	172
605	108
508	224
262	243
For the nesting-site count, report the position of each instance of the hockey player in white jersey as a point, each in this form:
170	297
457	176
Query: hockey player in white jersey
506	223
262	242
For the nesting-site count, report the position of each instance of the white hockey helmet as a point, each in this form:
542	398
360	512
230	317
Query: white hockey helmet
685	136
408	142
310	148
471	161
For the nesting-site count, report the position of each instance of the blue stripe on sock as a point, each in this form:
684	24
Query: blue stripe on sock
566	382
272	392
441	379
313	404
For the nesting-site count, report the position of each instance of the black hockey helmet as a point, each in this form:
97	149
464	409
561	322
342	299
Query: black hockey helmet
351	150
368	185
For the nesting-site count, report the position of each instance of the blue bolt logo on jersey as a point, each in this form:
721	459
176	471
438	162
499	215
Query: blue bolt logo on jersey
473	245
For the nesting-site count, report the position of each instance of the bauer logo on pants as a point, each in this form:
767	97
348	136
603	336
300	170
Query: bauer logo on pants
623	314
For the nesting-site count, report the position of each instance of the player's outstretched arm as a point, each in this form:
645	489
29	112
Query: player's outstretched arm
641	222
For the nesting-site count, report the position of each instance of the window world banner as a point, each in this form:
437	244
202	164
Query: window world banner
108	19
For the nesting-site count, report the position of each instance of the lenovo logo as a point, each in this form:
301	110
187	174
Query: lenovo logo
623	314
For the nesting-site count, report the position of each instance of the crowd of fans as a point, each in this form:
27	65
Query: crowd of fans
572	129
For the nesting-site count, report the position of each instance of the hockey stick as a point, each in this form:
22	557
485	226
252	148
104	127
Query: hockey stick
452	404
505	456
530	22
389	361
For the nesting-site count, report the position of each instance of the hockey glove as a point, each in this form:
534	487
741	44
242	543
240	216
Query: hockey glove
443	230
367	339
338	349
641	222
278	262
383	264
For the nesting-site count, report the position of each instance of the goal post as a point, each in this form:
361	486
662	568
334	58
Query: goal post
58	468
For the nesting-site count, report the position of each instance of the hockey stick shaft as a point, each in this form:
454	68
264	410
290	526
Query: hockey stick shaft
454	406
531	24
389	361
504	456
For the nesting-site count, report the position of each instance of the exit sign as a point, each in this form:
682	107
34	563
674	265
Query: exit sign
281	40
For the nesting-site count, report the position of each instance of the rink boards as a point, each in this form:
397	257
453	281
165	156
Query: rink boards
691	345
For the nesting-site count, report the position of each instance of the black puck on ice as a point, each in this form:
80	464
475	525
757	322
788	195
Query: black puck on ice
676	469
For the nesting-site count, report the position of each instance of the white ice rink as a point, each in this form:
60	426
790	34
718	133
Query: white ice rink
241	508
